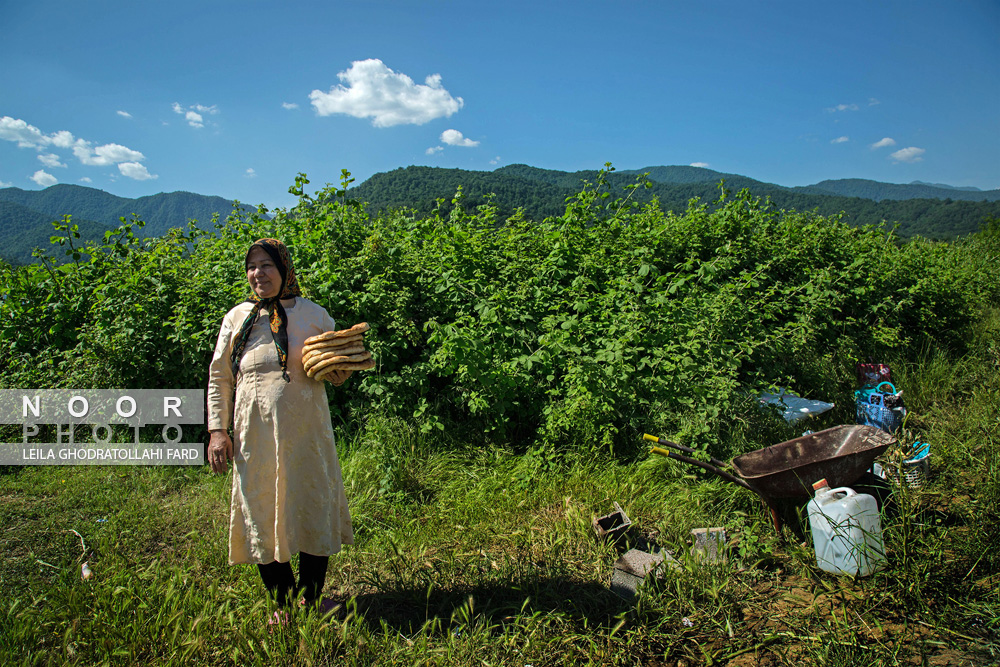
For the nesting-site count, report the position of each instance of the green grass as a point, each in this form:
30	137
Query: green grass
480	556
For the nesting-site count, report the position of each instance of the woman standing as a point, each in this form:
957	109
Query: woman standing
288	495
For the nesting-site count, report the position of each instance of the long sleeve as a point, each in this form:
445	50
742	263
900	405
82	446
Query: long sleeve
221	380
327	323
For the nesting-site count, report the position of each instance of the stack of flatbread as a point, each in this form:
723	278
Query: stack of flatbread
342	350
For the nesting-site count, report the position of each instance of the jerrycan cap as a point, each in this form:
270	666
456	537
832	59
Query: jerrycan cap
821	484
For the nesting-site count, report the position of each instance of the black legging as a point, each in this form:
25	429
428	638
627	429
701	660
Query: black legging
279	580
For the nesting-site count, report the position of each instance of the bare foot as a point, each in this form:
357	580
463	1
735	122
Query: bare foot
278	620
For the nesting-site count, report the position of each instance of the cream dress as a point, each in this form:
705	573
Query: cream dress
288	494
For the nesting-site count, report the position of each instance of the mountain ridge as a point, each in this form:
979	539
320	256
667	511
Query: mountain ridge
541	193
970	188
26	216
878	191
930	209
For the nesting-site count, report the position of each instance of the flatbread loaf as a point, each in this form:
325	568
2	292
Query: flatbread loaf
356	330
346	359
327	345
358	366
310	359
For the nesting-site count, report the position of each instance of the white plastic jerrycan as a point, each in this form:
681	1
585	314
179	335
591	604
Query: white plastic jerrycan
846	530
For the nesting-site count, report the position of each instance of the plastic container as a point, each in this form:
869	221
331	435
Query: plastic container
914	471
846	530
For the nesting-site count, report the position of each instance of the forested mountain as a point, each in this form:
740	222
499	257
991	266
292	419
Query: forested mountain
947	187
22	228
542	192
684	174
859	187
26	216
419	187
926	209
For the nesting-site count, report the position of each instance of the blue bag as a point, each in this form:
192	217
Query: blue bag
882	409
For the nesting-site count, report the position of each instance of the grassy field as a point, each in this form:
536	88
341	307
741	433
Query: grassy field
466	556
558	343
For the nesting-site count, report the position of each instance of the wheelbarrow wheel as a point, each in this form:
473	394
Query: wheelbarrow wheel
785	512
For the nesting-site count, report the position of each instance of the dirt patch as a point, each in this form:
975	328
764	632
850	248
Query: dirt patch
790	619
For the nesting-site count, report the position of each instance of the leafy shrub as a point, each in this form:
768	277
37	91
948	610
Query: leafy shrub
567	334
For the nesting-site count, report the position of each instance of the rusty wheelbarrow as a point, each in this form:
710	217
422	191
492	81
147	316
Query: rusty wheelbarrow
840	454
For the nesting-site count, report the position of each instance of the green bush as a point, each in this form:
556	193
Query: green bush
567	334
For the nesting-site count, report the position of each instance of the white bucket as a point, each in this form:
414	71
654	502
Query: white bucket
846	530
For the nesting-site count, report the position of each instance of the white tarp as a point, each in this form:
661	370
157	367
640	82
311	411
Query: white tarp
793	407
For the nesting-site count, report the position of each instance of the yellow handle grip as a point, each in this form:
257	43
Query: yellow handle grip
651	438
661	451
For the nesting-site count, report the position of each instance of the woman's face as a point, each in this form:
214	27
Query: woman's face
263	274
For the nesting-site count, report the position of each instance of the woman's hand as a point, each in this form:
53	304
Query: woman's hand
338	378
220	450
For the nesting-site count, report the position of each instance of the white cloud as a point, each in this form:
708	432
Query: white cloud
289	105
843	107
387	97
5	184
50	160
872	101
26	136
123	114
44	179
250	173
29	136
86	179
434	149
194	114
840	140
883	142
495	160
909	154
135	171
104	155
62	139
455	138
703	165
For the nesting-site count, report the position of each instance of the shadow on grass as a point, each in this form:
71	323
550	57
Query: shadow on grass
408	609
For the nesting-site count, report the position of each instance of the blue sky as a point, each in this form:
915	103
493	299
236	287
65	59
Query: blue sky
235	98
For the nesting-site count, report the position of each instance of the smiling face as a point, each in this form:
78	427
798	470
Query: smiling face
263	274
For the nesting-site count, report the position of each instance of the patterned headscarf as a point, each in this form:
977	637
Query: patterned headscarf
277	251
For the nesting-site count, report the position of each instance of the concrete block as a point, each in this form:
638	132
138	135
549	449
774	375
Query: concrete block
634	567
709	544
612	527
